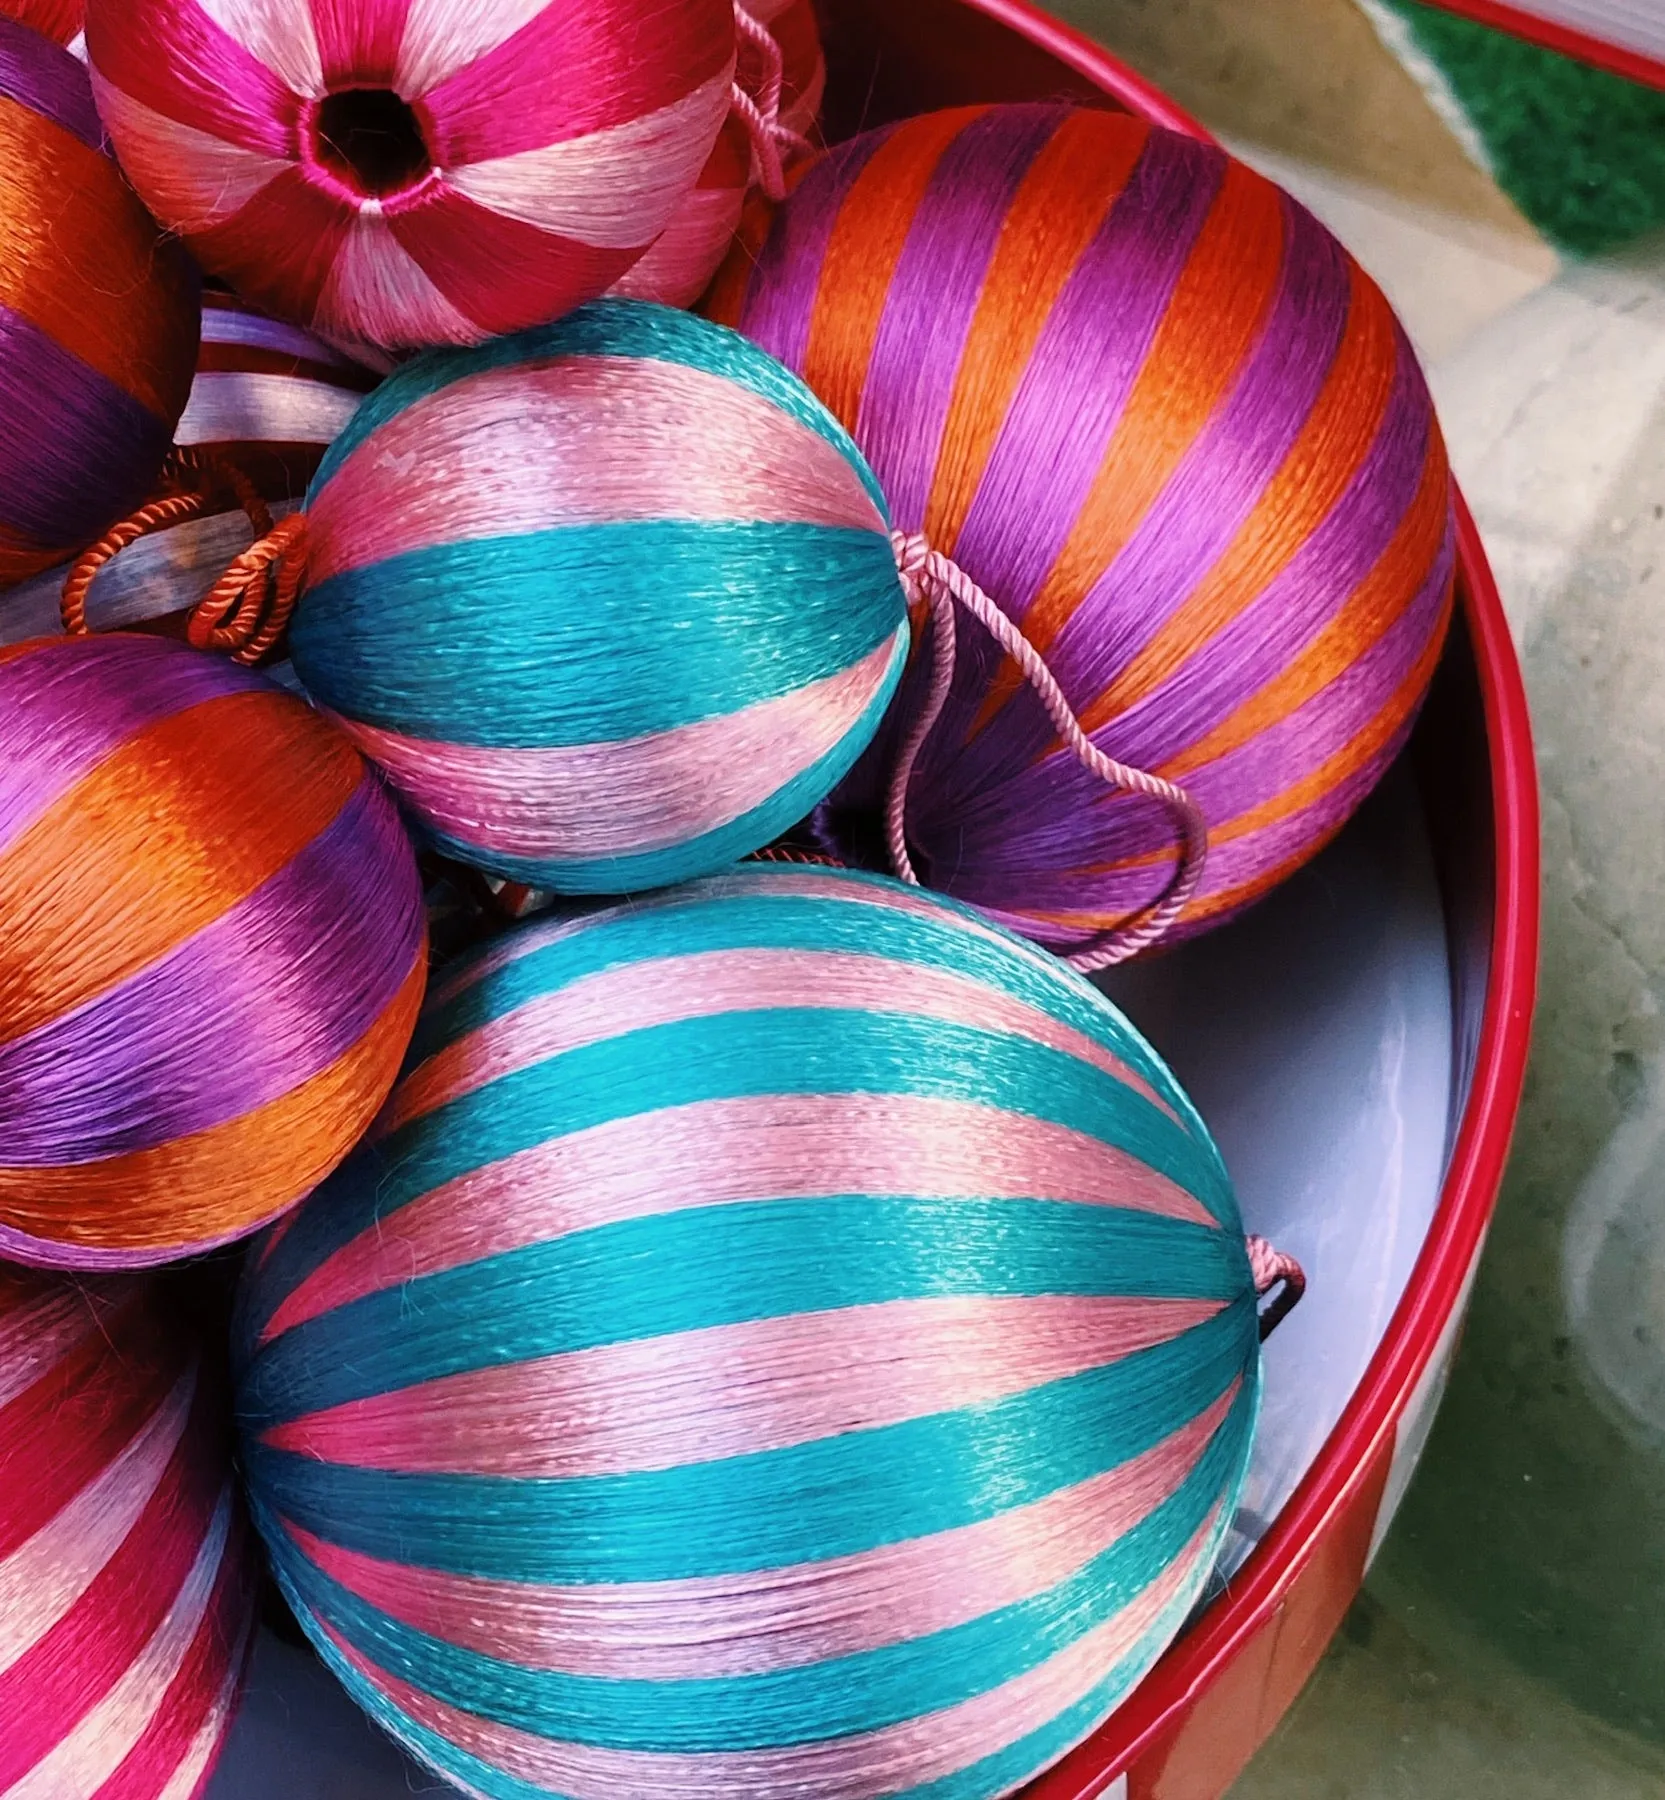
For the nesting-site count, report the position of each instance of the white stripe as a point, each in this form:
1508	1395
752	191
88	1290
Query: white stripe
277	33
236	407
183	1782
615	189
39	1334
378	291
442	36
81	1763
42	1579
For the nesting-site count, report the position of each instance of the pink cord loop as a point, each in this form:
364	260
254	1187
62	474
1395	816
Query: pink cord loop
1273	1268
931	578
772	142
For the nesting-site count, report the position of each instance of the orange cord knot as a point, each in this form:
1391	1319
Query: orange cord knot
232	617
248	608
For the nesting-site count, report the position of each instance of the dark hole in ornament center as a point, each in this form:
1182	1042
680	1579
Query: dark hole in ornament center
370	139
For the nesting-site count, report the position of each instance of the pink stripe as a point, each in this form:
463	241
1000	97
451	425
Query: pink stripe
613	439
583	802
733	1390
576	67
747	1624
637	996
377	290
864	1767
42	1319
679	266
657	1163
358	40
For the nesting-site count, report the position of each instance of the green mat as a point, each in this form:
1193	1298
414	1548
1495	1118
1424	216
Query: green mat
1580	152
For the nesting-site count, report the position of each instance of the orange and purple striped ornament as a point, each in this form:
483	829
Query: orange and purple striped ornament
786	1337
98	317
126	1572
408	172
211	950
1153	408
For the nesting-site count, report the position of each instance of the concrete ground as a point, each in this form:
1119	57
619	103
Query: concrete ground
1511	1642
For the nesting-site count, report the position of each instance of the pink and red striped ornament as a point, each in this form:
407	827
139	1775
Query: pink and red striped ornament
410	172
126	1584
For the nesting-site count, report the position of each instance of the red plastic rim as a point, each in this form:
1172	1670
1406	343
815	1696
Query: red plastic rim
1616	59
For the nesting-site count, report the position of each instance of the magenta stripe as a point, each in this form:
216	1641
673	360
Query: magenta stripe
660	1402
780	298
865	1766
172	57
934	295
68	705
49	81
358	40
637	996
245	1011
735	1625
608	434
661	1162
77	451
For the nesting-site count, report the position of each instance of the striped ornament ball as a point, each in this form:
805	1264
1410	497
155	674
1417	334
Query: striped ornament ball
1159	414
98	318
785	1337
409	172
612	603
126	1574
211	950
267	400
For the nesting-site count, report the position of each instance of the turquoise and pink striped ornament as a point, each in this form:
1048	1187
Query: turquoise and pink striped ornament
612	602
786	1337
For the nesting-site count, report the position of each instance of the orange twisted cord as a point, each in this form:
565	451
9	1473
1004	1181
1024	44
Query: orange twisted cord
197	479
248	608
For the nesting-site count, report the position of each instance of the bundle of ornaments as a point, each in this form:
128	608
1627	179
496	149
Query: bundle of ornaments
769	1326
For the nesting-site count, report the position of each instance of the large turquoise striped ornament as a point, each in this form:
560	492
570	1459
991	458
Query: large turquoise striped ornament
612	602
787	1338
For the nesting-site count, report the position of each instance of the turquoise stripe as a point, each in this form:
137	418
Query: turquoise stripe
590	634
833	1697
1002	1772
711	850
727	1265
784	1052
631	328
837	1496
696	923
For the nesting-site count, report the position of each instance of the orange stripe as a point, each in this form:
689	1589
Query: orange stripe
22	558
1057	212
232	1177
1313	477
1219	308
1369	614
168	833
866	244
83	260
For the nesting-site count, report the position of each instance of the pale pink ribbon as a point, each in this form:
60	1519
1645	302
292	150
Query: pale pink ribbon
931	577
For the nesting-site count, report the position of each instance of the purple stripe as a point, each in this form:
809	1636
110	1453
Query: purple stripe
40	75
76	451
73	702
779	306
933	299
1046	460
243	1012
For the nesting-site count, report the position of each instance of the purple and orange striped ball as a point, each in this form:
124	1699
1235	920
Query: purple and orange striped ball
211	950
785	1336
1173	429
98	317
126	1570
406	172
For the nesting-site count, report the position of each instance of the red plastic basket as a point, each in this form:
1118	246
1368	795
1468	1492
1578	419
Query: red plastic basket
1194	1723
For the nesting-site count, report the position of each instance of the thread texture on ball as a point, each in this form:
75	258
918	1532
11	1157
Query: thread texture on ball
126	1579
98	317
1159	415
785	1337
407	172
211	950
612	603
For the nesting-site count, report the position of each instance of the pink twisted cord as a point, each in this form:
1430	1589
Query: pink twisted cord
943	585
772	142
1271	1268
